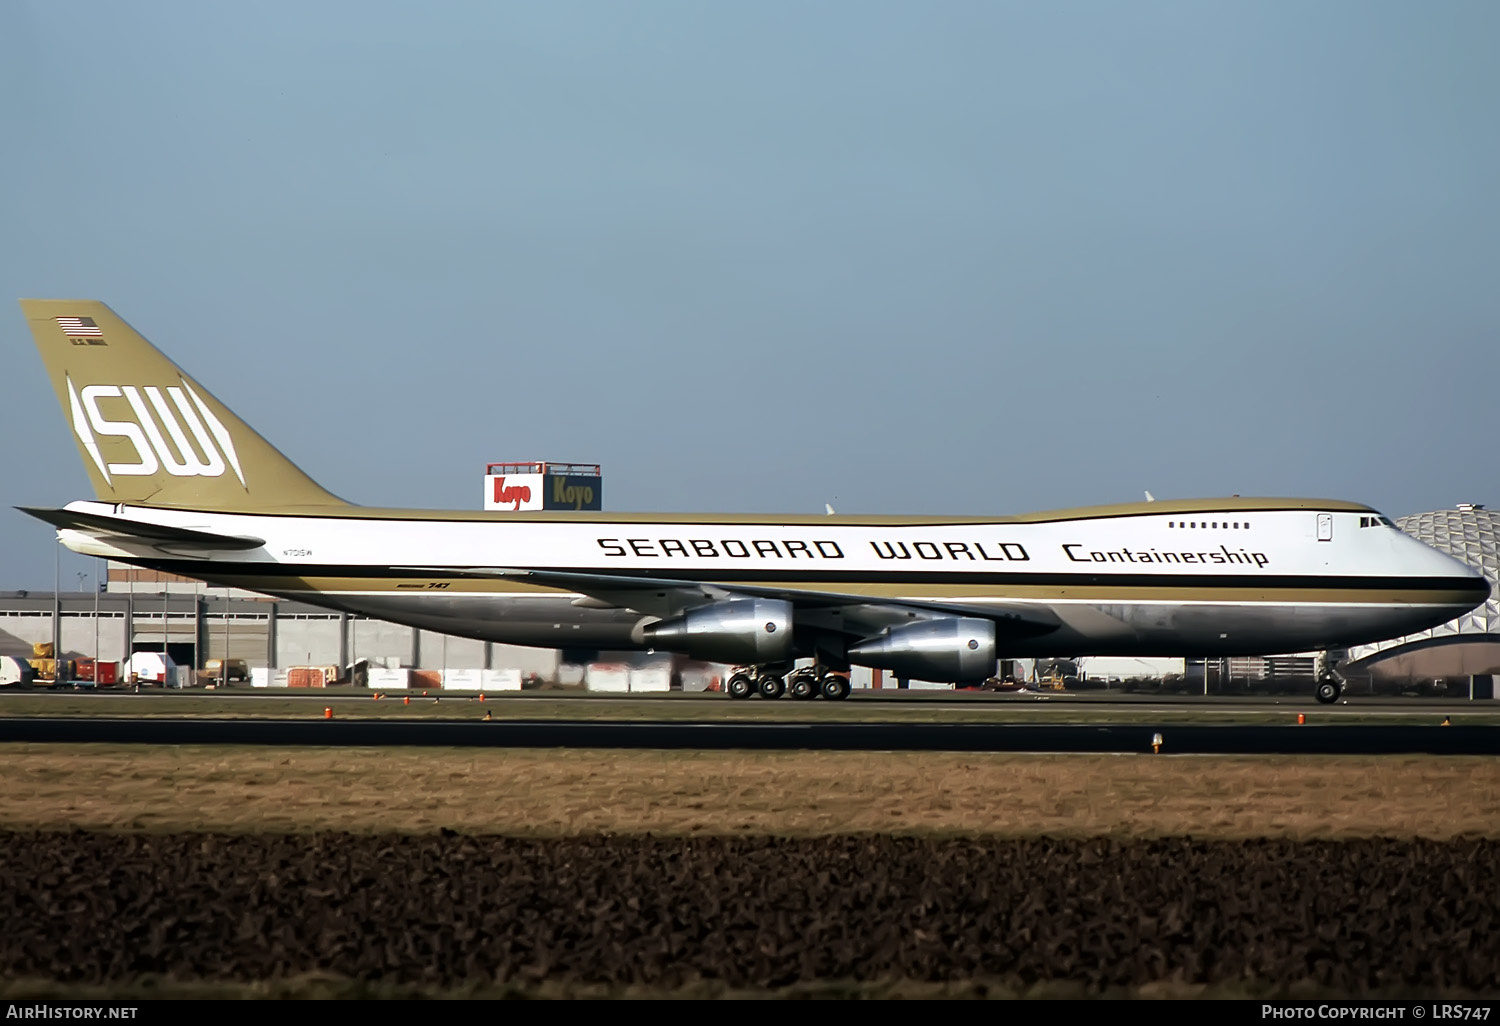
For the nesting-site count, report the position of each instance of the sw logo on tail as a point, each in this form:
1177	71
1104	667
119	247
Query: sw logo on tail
180	458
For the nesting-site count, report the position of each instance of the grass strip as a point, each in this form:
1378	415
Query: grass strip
254	789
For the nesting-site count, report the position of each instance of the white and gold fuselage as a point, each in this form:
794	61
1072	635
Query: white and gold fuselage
1219	577
183	484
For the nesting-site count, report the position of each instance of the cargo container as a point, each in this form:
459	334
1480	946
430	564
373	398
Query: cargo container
307	677
87	671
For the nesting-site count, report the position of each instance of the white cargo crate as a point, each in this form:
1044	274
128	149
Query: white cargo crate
461	680
500	680
389	679
608	677
267	677
650	678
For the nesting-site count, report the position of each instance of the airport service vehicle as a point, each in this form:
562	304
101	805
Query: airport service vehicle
15	671
226	670
153	668
183	485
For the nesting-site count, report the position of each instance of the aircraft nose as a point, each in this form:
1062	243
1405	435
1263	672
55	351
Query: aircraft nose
1468	584
1470	579
1466	570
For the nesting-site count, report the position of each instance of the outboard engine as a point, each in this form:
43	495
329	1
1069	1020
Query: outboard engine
958	649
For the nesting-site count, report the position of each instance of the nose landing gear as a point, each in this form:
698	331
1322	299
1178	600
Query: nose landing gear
1330	682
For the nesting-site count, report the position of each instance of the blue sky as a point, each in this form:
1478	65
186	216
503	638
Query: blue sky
906	257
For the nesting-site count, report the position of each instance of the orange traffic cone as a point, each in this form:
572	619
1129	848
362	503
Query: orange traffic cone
1301	718
327	713
406	700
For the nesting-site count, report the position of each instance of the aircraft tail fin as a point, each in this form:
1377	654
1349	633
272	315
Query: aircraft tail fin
148	433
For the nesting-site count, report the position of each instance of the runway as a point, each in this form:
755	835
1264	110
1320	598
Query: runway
1176	738
897	701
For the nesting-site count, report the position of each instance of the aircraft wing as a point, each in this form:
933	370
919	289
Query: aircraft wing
156	535
853	614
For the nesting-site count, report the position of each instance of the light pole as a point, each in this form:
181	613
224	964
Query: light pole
96	621
129	666
224	660
56	612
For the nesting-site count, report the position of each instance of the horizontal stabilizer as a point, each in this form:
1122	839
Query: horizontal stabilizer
133	530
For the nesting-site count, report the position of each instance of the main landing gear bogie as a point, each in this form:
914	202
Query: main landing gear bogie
770	685
803	685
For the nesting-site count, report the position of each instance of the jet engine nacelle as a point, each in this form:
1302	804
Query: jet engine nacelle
737	631
959	649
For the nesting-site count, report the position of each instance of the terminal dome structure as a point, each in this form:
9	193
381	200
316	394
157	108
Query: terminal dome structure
1463	647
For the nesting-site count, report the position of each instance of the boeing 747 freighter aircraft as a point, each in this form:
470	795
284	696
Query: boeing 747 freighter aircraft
183	485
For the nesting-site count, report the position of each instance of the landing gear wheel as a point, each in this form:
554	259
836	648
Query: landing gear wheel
835	688
772	686
803	686
741	686
1328	692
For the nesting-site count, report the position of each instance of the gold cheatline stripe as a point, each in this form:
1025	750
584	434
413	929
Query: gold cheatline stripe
409	586
1158	508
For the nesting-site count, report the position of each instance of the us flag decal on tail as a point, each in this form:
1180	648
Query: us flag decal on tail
79	327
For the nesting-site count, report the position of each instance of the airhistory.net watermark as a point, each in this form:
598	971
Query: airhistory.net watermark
44	1011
